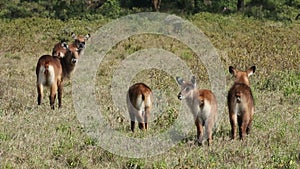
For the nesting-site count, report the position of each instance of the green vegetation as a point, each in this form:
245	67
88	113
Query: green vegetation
68	9
34	136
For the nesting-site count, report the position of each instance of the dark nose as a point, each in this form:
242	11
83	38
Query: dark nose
179	96
74	61
81	45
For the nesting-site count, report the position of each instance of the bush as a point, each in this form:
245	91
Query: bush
260	9
110	8
68	9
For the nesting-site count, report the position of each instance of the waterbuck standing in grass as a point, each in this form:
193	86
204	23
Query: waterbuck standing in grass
240	102
51	72
203	106
139	104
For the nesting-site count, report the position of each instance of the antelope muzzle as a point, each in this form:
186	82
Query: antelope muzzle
74	60
179	96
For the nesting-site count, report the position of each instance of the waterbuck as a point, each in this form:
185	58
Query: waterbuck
203	106
139	104
51	72
59	49
240	102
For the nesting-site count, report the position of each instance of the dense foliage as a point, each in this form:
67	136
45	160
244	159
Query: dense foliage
66	9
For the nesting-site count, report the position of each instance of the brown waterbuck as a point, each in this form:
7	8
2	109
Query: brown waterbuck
59	49
51	72
139	104
240	102
203	106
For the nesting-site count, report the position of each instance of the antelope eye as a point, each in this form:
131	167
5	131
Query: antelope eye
187	89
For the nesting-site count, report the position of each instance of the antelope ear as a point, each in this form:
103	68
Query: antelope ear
87	36
179	80
65	45
74	35
251	70
231	70
193	80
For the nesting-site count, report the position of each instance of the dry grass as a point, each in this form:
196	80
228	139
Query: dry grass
34	136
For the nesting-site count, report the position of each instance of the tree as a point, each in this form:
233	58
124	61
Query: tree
156	4
240	5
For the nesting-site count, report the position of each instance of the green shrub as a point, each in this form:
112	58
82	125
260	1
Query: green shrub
288	82
110	8
266	9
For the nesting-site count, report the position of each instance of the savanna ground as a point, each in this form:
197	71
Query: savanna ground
34	136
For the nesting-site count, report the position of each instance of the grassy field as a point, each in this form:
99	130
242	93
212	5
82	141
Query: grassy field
34	136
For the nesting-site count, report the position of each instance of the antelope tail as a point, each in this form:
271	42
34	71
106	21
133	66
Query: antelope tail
238	97
46	72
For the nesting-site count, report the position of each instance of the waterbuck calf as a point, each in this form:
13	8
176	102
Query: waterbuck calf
139	104
59	49
240	102
51	72
203	106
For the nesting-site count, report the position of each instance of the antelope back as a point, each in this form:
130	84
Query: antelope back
48	60
140	95
48	70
